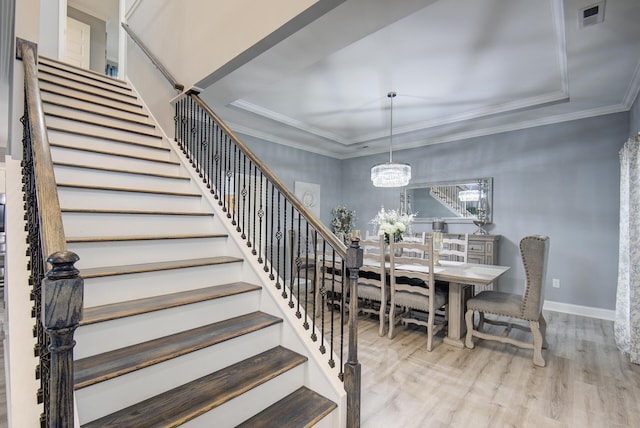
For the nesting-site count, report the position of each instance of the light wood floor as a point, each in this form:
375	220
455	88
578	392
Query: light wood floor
586	383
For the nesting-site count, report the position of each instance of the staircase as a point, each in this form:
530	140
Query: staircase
175	328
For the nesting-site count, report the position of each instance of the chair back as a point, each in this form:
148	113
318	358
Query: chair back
372	271
455	247
416	238
534	251
420	267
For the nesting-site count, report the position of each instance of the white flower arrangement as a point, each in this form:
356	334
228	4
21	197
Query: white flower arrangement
391	223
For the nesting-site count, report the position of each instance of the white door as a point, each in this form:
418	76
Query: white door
78	43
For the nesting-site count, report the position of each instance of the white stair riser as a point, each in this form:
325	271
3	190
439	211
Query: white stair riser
106	397
97	254
92	116
71	175
74	79
80	86
109	335
241	408
104	199
120	288
73	140
125	112
82	224
101	132
91	98
80	157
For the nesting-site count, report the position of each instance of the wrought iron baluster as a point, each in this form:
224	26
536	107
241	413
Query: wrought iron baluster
236	179
317	264
306	278
270	234
242	206
260	217
278	250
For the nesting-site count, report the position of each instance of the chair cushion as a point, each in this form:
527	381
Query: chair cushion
497	302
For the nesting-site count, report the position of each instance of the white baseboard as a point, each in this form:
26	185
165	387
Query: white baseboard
586	311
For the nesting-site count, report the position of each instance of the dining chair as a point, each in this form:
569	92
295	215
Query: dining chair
331	278
302	258
455	247
418	238
373	289
527	307
413	290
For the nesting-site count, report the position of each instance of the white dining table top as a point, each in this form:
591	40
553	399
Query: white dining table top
459	272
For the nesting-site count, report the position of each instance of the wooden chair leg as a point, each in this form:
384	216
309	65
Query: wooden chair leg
538	360
543	331
469	321
430	322
392	320
382	315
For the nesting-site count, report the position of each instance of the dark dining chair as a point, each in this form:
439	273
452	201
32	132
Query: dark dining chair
526	307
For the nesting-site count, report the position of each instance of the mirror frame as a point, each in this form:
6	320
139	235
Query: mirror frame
489	199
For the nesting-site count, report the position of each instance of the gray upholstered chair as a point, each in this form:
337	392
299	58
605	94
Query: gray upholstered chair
527	307
413	290
373	290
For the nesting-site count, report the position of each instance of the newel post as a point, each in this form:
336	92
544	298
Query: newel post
62	296
352	382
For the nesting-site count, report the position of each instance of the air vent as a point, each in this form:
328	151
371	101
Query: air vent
591	15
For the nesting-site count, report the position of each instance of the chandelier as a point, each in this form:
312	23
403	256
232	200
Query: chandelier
391	174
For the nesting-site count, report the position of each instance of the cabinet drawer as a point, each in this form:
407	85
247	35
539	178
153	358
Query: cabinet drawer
476	247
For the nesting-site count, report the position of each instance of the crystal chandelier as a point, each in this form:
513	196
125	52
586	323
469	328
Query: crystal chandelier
391	174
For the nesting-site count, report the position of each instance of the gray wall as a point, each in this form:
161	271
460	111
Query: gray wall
291	165
560	180
98	59
634	121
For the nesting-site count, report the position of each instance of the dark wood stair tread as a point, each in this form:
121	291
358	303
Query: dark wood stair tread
79	239
156	266
75	121
98	368
108	153
301	409
133	212
181	404
130	101
138	121
128	189
129	308
104	137
50	62
119	170
136	110
80	79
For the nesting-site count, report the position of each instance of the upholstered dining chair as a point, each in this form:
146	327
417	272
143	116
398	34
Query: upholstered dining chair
413	290
525	307
373	289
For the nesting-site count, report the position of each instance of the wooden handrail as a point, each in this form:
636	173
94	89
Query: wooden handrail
339	247
177	86
51	228
59	296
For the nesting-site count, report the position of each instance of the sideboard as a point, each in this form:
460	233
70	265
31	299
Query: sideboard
481	249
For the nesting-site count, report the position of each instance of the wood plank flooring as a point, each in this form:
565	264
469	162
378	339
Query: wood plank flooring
587	382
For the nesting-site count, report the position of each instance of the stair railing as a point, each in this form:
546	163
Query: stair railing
177	86
57	292
295	248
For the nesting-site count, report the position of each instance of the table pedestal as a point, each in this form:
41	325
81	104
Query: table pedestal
458	296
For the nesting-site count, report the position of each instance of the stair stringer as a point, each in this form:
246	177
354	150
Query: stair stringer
319	376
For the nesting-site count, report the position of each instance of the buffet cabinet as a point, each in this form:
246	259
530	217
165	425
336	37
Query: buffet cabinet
482	249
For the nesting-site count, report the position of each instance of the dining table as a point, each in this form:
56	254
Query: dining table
461	277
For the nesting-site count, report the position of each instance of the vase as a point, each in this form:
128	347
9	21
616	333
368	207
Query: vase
387	251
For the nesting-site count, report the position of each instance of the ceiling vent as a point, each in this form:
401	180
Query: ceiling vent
591	15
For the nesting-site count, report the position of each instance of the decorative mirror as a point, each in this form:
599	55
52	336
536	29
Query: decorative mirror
459	201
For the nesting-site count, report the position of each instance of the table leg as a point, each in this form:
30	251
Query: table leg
458	296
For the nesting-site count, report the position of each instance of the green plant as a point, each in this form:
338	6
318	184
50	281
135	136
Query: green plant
343	220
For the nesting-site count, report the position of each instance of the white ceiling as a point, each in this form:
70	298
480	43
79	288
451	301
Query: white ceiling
461	68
